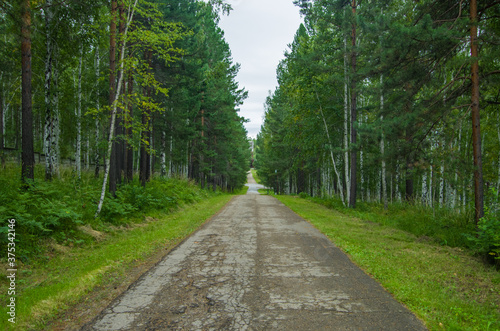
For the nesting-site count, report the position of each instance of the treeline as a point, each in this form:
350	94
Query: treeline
388	101
123	87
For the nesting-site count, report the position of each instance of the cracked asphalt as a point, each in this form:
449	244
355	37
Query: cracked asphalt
256	266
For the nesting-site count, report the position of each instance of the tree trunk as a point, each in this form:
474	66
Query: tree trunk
163	152
441	186
382	148
112	91
129	166
498	165
346	122
113	110
97	105
409	190
56	155
424	189
352	196
78	154
476	122
27	154
145	137
331	154
2	122
431	197
49	111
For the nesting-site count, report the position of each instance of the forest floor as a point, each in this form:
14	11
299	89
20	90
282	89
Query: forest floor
256	265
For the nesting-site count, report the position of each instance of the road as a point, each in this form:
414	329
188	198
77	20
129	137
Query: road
256	266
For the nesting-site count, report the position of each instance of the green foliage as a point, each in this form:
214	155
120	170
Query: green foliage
411	83
486	240
56	209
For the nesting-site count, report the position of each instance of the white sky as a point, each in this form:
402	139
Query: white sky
258	32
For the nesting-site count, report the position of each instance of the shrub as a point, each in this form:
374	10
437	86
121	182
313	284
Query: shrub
487	238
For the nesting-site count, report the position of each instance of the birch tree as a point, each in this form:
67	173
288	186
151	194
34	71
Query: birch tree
130	15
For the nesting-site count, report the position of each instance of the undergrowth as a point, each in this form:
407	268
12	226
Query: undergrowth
441	225
55	210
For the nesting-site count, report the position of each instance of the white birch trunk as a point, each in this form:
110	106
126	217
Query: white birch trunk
97	106
361	169
341	189
79	119
346	123
455	193
498	181
382	147
130	15
57	129
49	107
441	186
424	189
398	177
4	108
431	197
87	153
163	154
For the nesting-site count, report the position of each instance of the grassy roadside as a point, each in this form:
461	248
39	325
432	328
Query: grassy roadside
46	290
446	287
255	176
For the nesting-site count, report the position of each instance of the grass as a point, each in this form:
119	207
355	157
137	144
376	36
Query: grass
446	287
255	176
446	227
48	289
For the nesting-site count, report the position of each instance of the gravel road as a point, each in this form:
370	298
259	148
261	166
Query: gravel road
256	266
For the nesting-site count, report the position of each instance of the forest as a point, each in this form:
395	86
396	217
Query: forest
394	103
112	107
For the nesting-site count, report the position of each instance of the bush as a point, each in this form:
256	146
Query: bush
487	238
303	195
54	210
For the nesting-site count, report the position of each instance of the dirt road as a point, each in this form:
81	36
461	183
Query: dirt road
256	266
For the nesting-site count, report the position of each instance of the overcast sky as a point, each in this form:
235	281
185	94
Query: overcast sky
258	32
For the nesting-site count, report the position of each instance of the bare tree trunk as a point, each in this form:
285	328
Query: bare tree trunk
98	106
49	111
145	137
382	148
498	180
431	197
129	166
331	154
112	93
163	152
476	121
130	14
2	121
353	193
441	186
346	123
27	154
424	189
56	155
78	154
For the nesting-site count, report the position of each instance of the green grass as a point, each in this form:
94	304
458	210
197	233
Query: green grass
47	289
447	288
445	226
255	176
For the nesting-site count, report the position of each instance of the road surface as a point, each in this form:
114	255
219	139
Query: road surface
255	266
